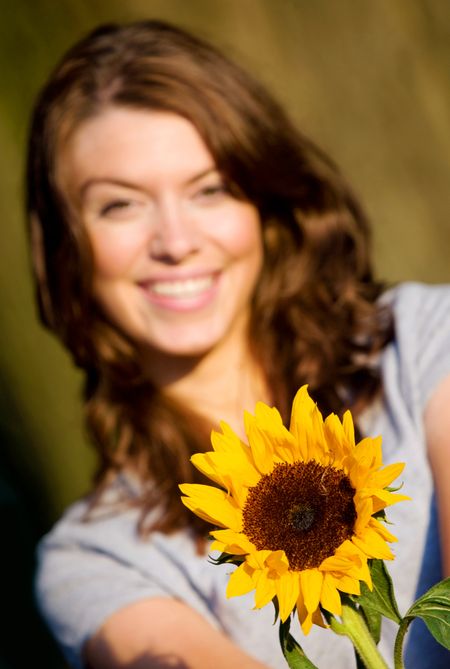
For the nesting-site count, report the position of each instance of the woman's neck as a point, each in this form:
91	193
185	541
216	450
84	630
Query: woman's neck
219	385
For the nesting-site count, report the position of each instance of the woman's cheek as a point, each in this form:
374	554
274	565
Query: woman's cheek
239	231
116	249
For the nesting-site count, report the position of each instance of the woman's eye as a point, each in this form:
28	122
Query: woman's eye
115	207
211	191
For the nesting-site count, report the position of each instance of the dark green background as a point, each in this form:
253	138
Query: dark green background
368	79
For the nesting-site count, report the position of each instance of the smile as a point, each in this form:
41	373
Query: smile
182	289
188	294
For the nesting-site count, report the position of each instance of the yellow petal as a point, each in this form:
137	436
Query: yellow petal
231	471
382	530
382	498
260	444
288	589
384	477
311	585
269	418
365	575
305	417
226	441
231	542
377	453
308	619
282	443
212	504
349	429
318	619
224	464
241	581
257	560
304	616
345	583
277	561
348	560
373	545
367	452
329	597
364	511
340	564
265	589
338	441
206	464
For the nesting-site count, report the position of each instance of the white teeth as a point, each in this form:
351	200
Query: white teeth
183	288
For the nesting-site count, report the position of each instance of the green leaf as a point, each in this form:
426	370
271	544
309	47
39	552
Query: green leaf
382	598
373	622
434	609
292	651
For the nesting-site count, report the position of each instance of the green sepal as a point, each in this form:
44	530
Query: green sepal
394	488
292	651
277	609
434	609
226	558
381	515
381	598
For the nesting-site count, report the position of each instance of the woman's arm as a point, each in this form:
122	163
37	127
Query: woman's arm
160	633
437	430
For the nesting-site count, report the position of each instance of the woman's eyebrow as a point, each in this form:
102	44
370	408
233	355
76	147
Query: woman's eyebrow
200	175
126	184
103	180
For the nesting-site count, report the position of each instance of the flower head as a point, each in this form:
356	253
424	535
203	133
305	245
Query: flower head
298	508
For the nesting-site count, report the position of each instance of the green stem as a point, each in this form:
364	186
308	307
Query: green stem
355	628
398	648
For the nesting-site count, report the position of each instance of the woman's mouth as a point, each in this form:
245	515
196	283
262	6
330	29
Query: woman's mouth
182	294
184	288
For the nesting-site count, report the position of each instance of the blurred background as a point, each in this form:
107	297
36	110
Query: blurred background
368	80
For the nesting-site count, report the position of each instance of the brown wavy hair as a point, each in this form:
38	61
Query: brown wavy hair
315	316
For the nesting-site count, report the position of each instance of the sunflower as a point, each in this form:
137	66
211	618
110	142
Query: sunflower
299	509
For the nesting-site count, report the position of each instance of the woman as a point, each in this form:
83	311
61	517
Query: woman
195	253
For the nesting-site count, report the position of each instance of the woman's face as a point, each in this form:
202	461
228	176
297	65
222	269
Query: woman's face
176	257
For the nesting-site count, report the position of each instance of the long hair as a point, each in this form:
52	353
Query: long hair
315	317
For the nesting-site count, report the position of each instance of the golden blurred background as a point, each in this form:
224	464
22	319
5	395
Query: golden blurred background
367	79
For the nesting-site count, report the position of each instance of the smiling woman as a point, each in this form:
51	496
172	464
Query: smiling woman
196	254
176	256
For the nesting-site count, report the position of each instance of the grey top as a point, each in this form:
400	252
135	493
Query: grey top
89	570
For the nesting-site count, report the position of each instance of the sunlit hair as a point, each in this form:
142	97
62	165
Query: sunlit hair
315	317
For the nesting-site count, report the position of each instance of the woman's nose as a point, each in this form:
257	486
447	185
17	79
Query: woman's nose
174	235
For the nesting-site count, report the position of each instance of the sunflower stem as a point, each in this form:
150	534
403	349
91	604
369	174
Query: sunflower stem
354	626
398	648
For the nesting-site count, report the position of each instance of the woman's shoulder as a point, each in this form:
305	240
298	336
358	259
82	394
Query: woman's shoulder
421	313
419	300
91	518
419	353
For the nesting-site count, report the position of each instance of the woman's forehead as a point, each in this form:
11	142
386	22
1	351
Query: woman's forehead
133	144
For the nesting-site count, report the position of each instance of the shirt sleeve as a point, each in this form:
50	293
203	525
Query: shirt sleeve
79	588
422	321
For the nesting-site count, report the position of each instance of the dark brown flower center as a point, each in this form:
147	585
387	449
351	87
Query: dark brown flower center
304	508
